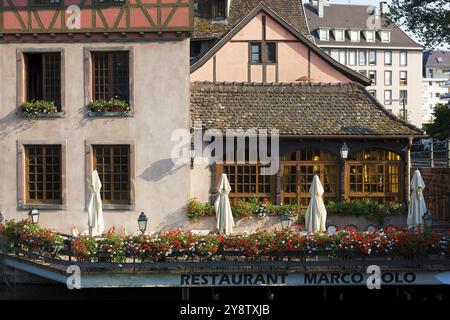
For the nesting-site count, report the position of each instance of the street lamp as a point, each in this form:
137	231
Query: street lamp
344	151
192	154
286	221
427	220
33	214
142	222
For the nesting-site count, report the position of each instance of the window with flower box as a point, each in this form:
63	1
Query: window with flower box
375	175
298	169
110	75
43	77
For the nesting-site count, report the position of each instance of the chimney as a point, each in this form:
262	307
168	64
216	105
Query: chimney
320	8
384	8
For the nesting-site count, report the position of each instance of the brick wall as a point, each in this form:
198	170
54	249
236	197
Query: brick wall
437	191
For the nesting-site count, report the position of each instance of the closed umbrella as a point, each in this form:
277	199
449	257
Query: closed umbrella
417	207
225	221
316	215
95	211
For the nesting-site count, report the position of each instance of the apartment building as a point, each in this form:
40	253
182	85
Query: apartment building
436	81
360	38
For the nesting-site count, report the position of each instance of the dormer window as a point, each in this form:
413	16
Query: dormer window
385	36
354	35
370	36
339	34
324	34
219	9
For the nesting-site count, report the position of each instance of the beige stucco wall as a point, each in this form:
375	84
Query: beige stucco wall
232	58
161	99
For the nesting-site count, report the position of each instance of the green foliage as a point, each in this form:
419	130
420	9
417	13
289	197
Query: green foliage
428	20
35	107
440	127
196	209
111	105
371	210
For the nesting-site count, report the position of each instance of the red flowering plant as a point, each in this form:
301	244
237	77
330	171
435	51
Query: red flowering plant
140	246
32	237
111	247
85	248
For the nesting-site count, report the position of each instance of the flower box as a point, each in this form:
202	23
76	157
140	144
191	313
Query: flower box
109	108
40	109
93	114
43	115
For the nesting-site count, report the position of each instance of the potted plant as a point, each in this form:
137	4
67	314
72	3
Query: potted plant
109	107
36	108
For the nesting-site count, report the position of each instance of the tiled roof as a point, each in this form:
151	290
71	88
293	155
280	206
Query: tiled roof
342	16
437	59
289	10
295	109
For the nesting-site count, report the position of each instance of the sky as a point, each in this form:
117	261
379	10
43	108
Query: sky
374	3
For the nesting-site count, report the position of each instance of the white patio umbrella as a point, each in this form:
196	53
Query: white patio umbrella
417	207
225	221
316	215
95	211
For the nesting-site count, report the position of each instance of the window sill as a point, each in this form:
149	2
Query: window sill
42	206
125	207
92	114
43	115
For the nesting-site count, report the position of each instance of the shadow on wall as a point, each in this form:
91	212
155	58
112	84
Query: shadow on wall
175	220
12	123
160	169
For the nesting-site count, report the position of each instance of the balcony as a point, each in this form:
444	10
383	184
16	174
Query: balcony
445	97
59	19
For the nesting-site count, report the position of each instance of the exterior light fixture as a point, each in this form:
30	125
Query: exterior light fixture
192	154
142	222
286	221
344	151
33	214
427	220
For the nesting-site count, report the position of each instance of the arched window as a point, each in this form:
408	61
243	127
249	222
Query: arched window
298	169
374	174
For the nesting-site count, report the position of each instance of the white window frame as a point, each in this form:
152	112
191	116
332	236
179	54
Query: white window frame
375	62
383	38
352	33
388	78
403	53
388	102
363	53
372	32
374	72
339	31
406	78
352	62
344	55
326	33
388	62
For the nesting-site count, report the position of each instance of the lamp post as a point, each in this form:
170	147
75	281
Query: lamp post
192	154
427	220
344	155
33	214
286	221
142	222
